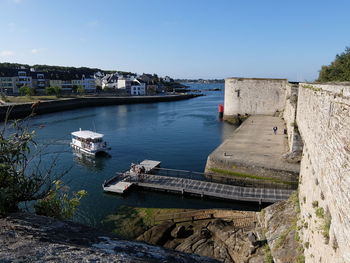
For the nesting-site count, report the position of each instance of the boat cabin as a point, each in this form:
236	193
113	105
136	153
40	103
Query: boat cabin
89	142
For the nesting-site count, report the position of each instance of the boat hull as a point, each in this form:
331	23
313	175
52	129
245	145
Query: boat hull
90	152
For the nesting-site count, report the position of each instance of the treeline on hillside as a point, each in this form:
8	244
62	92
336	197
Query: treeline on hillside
69	70
200	80
338	70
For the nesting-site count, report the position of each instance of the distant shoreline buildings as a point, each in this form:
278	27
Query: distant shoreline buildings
15	76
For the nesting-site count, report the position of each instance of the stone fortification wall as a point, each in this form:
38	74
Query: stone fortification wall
254	96
323	118
290	113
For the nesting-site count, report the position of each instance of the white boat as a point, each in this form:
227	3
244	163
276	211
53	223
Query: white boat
89	142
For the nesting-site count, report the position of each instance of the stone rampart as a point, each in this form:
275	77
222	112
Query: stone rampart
254	96
290	113
323	117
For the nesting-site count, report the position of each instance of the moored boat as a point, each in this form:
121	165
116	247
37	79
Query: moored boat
89	142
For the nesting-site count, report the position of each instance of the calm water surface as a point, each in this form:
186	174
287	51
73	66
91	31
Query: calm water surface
179	134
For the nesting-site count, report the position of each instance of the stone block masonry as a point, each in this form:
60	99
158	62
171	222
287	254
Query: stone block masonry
295	142
254	96
323	118
317	118
252	156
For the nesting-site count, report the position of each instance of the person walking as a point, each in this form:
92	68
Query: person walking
275	130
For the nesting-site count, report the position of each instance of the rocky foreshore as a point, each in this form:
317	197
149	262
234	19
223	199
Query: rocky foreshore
268	236
221	239
30	238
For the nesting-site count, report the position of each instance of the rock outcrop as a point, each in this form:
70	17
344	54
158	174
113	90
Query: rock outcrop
279	227
31	238
218	239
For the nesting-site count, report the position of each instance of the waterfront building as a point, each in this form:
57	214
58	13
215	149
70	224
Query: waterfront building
168	79
67	81
8	85
110	81
124	83
137	88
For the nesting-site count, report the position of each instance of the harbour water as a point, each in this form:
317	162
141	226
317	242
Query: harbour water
180	134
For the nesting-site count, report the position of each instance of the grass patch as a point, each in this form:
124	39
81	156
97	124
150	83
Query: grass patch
311	88
320	212
130	222
21	99
301	259
250	176
326	225
294	198
267	254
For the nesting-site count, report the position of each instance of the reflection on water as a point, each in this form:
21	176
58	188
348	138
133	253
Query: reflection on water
180	134
89	161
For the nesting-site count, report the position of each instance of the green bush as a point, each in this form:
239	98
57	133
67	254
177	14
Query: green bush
320	212
326	225
22	179
58	204
53	91
28	91
18	183
80	90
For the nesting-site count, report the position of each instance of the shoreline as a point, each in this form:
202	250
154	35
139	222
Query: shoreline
22	110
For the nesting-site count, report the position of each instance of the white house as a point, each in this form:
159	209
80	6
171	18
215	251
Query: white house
167	79
110	81
124	83
137	88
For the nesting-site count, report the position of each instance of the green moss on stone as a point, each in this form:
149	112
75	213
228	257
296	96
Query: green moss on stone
250	176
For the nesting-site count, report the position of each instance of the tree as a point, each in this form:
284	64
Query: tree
75	88
53	91
21	177
28	91
81	90
338	70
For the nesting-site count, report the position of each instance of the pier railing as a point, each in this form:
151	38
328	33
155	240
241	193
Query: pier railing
208	177
179	173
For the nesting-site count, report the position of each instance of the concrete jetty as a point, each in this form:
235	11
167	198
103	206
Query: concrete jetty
252	155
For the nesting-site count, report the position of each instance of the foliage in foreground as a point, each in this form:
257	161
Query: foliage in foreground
22	179
58	204
18	183
338	70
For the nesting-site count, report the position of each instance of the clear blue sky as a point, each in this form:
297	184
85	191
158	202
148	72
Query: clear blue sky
179	38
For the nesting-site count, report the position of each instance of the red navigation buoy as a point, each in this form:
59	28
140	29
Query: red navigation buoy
221	110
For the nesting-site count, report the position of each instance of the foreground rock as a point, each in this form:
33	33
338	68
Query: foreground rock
219	239
28	237
269	236
279	224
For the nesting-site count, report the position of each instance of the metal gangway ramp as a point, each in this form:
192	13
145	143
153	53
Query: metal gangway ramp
171	182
